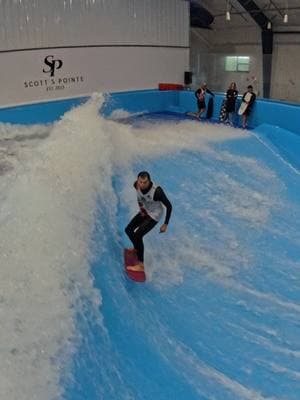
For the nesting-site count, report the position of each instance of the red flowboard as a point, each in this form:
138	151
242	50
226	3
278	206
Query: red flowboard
130	258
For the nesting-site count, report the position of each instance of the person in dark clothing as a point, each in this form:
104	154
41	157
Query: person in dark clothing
249	102
151	199
200	96
231	97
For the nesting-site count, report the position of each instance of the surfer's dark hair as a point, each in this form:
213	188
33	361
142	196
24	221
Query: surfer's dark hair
144	174
250	87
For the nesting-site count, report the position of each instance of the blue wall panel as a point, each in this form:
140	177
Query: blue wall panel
283	115
40	113
140	101
143	101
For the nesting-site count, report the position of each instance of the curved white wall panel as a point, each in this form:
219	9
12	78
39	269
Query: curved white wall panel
53	49
52	23
61	73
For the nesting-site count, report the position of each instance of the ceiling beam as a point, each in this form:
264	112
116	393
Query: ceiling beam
200	17
276	8
279	9
262	20
196	32
255	13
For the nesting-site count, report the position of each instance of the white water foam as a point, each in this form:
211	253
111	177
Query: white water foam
52	180
47	218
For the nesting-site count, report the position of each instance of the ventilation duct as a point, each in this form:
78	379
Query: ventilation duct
200	17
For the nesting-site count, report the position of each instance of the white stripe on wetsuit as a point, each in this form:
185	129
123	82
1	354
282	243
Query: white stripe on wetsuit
147	204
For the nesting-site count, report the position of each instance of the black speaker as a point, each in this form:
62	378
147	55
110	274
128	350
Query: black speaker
188	77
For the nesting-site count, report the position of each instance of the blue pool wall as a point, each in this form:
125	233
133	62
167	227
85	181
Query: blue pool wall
282	115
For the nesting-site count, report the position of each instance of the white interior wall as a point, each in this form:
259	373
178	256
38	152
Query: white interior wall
285	61
91	45
222	44
52	23
285	72
222	78
230	43
201	56
87	70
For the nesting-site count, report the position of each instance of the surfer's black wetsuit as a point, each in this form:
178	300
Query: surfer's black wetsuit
142	223
201	101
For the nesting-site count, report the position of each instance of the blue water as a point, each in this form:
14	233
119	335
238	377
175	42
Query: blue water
218	317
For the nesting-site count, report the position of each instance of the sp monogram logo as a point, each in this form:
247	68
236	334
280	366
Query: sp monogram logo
53	65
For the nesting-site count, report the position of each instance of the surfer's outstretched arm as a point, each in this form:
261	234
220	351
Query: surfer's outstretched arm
160	195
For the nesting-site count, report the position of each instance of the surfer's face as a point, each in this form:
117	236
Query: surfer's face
143	183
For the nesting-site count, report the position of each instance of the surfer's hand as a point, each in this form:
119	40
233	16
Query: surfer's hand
163	228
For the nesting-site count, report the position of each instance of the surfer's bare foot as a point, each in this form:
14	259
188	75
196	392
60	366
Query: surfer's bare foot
136	268
132	250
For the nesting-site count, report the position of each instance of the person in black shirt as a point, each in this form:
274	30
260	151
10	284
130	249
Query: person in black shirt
250	104
200	96
151	200
231	97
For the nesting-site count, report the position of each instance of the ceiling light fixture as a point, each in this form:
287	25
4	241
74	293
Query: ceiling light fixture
227	15
286	17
